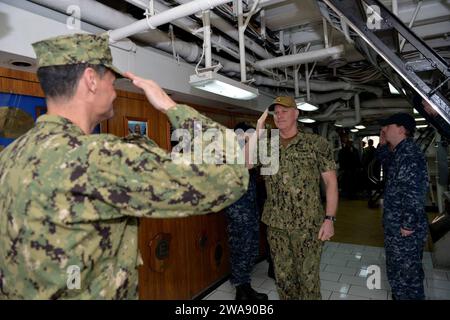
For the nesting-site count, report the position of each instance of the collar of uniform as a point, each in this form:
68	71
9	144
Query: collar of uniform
58	120
295	139
401	145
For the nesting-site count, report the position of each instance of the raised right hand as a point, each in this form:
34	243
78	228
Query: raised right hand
261	122
157	97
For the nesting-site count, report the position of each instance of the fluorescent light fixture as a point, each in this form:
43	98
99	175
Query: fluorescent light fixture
422	126
213	82
338	125
306	120
360	127
420	119
354	130
392	89
305	106
415	111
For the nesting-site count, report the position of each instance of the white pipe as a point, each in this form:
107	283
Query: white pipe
207	38
299	58
217	41
411	23
328	112
321	86
102	16
395	7
345	30
165	17
231	31
325	32
192	27
241	29
357	119
308	87
262	18
296	69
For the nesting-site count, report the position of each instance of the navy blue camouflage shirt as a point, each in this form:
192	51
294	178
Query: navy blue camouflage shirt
405	188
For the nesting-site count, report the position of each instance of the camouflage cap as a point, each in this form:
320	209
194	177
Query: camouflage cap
285	101
73	49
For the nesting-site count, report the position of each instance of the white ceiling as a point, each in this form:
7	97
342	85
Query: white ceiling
296	22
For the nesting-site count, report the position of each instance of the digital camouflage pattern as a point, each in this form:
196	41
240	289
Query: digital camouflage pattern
294	214
296	258
293	194
73	49
73	199
404	207
243	234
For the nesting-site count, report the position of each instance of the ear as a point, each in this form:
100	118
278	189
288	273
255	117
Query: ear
297	113
90	79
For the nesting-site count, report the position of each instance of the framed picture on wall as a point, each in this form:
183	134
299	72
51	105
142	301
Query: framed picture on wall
137	126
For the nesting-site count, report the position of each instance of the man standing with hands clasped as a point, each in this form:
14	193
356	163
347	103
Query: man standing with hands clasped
404	218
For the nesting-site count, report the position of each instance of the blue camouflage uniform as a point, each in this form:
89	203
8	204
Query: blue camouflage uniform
243	234
404	207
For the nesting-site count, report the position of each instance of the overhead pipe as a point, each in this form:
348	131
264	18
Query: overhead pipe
241	30
328	112
104	17
300	58
411	23
231	31
357	115
207	39
327	97
111	18
217	41
339	90
193	28
364	113
164	17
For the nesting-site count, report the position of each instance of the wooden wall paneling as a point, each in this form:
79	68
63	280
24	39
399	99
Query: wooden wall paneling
173	282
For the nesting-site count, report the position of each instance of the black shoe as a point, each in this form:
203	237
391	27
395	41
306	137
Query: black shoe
246	292
270	272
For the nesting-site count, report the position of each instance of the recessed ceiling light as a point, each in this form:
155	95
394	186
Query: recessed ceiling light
354	130
360	127
307	120
305	106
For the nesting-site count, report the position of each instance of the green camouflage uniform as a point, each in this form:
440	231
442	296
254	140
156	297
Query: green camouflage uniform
71	199
294	215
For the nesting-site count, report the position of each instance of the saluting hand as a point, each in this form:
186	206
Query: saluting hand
157	97
261	122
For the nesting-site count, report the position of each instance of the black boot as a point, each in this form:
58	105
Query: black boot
246	292
270	272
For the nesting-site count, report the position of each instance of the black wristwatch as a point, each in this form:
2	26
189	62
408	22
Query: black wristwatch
332	218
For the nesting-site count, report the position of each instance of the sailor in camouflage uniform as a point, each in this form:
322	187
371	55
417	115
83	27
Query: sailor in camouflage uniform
243	237
72	198
404	217
293	213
